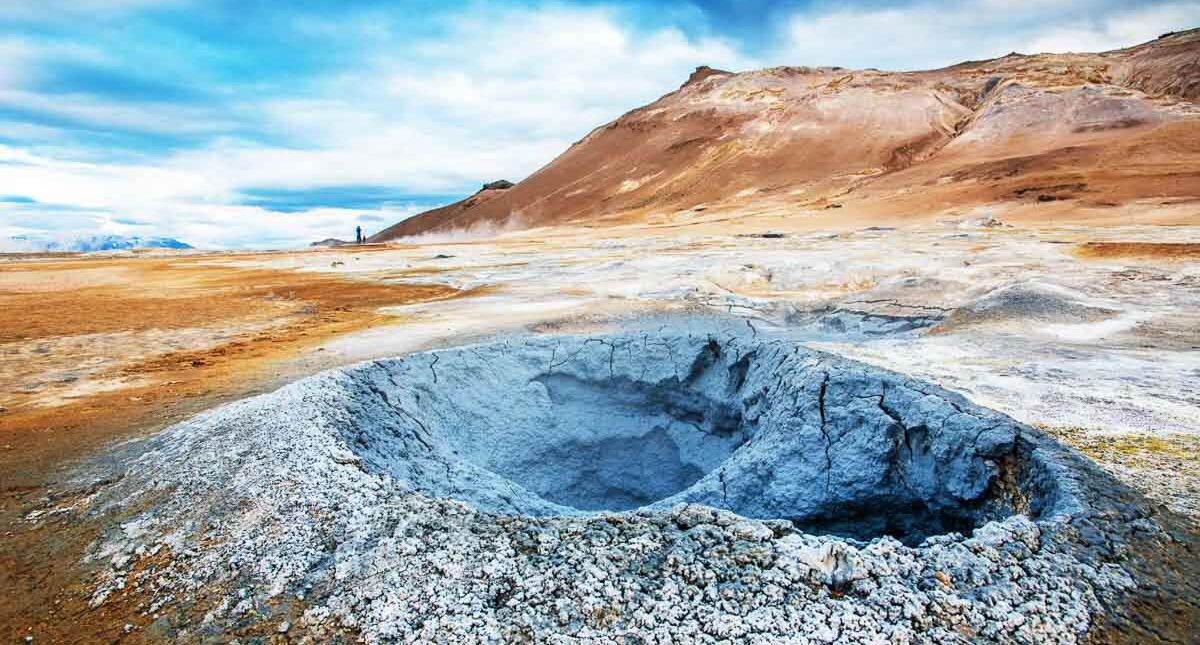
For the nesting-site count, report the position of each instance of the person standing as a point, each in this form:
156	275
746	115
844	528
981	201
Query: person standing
358	238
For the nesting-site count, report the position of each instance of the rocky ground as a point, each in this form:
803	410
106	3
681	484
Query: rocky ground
1165	467
308	511
1089	332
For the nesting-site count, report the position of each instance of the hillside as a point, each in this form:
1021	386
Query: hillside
1096	130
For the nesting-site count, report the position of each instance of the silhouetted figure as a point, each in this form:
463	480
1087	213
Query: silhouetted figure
358	238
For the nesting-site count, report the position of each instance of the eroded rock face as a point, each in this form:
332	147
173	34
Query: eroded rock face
704	486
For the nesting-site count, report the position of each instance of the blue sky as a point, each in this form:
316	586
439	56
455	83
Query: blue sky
234	124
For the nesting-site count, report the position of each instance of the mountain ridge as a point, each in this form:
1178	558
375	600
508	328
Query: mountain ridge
1099	129
92	243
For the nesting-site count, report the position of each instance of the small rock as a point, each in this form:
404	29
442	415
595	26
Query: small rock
982	222
345	457
754	531
283	627
690	515
835	563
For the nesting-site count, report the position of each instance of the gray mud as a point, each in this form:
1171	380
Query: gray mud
767	430
695	486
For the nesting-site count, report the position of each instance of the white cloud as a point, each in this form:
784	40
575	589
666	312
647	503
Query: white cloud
931	34
15	56
497	95
153	118
556	72
1117	30
172	203
441	115
20	58
893	38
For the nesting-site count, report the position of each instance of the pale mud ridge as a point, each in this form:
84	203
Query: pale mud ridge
669	486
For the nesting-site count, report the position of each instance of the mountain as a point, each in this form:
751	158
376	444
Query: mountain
87	244
449	213
331	241
1094	130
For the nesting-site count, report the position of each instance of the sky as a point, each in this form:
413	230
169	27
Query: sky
256	124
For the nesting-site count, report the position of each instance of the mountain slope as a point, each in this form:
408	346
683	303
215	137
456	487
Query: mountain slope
1103	129
449	213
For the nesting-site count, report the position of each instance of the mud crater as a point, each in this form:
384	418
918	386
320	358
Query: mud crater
766	430
469	488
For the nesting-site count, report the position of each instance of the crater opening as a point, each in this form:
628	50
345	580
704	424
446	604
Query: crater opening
620	444
767	430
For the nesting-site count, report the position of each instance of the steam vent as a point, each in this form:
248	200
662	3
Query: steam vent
638	487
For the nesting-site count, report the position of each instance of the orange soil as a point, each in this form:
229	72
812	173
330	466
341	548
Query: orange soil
1139	250
269	316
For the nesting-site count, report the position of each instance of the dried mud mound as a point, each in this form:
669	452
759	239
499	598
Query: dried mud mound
694	487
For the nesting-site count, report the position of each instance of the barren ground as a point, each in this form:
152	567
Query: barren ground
1089	331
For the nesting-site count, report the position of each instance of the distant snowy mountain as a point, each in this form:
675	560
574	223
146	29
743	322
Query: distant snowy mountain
87	244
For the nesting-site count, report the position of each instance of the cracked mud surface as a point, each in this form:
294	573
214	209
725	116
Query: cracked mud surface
368	503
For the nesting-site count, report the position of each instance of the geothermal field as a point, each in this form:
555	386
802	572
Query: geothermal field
802	355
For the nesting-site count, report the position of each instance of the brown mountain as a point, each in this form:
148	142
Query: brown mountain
1096	130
